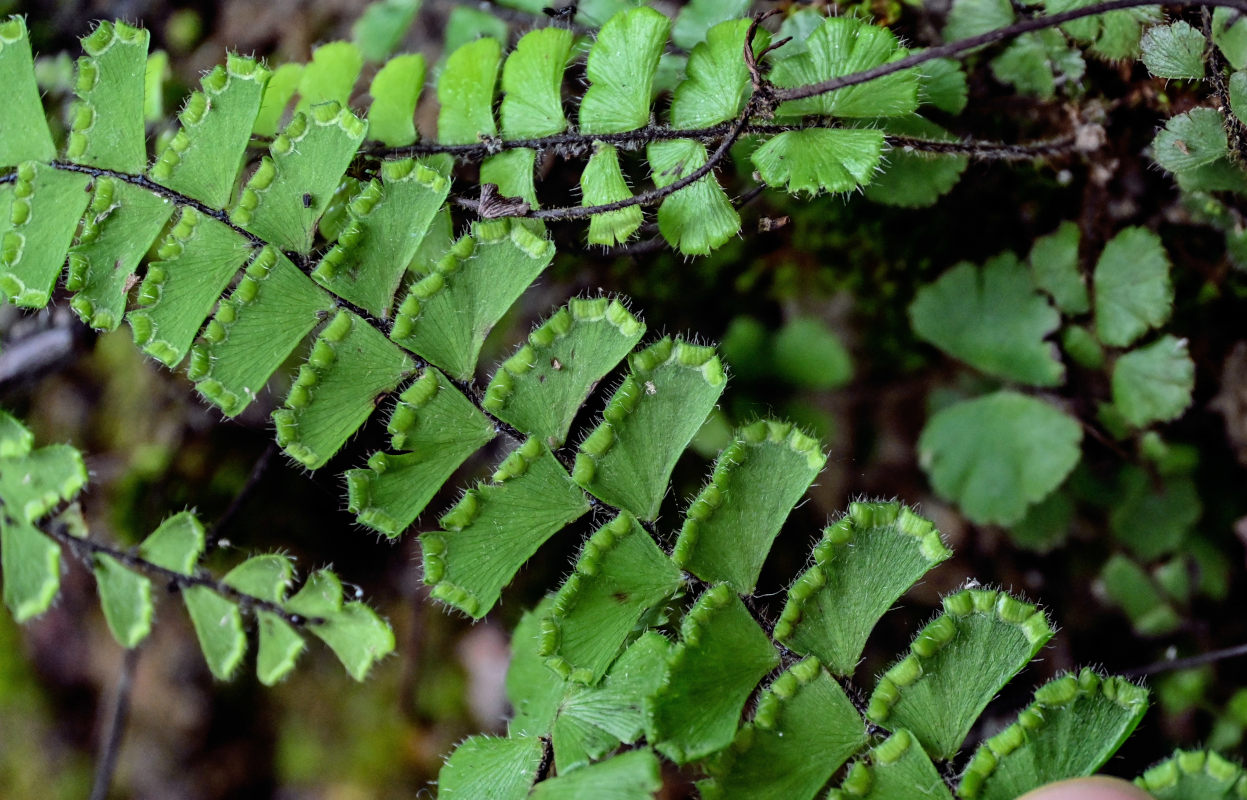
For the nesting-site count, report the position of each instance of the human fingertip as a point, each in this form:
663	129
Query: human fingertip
1094	788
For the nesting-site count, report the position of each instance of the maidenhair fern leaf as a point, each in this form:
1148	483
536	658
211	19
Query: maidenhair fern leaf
155	77
942	83
269	577
717	85
1154	383
175	544
486	766
896	768
26	134
1132	287
1195	775
620	70
1230	37
603	182
808	354
439	428
467	563
32	568
969	18
353	631
620	577
1175	50
699	217
996	455
437	241
583	722
446	315
956	665
15	438
627	460
861	566
1191	140
388	220
593	720
816	160
107	128
541	387
843	46
1075	724
395	91
1238	94
1152	514
698	19
1114	35
992	318
202	159
734	520
467	24
721	656
1054	268
382	26
196	262
533	689
512	172
349	367
218	626
273	307
634	775
330	76
126	599
281	87
910	178
532	84
595	13
120	225
43	214
293	184
803	712
465	92
32	484
1039	62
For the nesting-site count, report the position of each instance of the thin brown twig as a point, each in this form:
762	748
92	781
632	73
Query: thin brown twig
110	744
1171	664
962	47
213	538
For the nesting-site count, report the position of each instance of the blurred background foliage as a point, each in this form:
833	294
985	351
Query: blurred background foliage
811	309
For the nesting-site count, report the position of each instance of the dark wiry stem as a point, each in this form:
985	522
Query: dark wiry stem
989	151
578	144
177	198
87	548
161	191
110	745
1186	663
212	539
648	197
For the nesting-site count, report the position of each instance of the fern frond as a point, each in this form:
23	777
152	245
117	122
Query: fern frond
34	483
349	367
804	710
956	665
